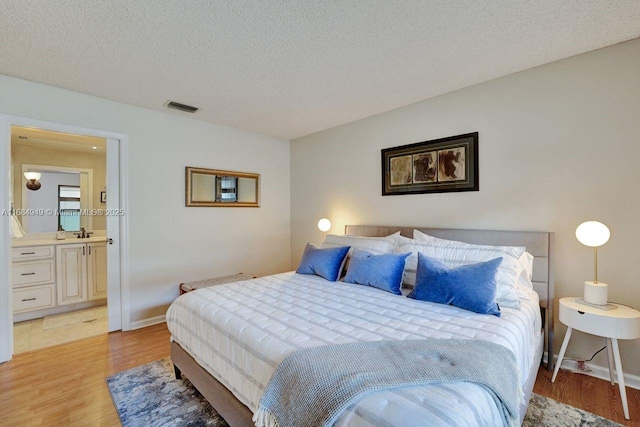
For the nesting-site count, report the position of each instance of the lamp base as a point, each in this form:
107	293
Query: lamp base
596	293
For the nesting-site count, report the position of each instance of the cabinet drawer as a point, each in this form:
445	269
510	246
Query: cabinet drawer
32	298
588	322
32	273
31	252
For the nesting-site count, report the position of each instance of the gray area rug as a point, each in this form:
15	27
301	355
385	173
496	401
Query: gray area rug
149	395
543	411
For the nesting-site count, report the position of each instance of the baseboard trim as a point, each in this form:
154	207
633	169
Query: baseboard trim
602	372
148	322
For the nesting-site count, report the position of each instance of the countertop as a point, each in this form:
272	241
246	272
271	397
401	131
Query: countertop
19	243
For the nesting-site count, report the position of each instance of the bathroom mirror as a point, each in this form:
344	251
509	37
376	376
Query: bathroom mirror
73	172
63	200
220	188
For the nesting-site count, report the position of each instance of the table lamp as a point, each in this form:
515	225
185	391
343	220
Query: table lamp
594	234
324	225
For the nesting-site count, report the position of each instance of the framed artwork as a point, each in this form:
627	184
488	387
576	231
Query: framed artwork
437	166
103	197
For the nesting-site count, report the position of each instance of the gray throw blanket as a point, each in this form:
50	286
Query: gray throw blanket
311	387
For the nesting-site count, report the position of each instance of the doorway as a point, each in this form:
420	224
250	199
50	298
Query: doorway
114	238
62	218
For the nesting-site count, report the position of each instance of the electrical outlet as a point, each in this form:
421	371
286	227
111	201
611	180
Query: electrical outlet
583	368
569	365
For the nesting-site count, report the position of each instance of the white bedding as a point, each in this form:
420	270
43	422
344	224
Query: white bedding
239	332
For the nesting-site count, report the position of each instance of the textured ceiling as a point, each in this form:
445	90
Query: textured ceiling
289	68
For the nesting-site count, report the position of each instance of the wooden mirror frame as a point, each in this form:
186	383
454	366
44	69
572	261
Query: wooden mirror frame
189	202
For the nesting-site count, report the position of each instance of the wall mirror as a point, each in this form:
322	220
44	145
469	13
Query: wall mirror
219	188
65	197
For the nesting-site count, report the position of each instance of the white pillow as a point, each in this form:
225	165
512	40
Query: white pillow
375	245
401	239
525	260
456	255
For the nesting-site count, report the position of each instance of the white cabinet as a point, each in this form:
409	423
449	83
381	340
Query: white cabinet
97	270
81	272
46	277
71	277
32	278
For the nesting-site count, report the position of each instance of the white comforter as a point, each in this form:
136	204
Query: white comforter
239	332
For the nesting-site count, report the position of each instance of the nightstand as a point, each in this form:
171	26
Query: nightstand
620	323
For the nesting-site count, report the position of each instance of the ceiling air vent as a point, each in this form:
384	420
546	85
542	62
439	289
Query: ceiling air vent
181	107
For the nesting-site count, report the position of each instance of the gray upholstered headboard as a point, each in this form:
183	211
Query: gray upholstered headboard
539	244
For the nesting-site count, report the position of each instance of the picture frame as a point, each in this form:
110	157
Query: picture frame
438	166
103	197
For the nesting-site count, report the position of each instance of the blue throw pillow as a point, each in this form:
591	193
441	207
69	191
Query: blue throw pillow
325	263
380	271
472	286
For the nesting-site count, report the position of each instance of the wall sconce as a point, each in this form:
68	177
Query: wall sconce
32	180
594	234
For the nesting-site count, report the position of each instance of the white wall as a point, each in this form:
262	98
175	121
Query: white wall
170	243
558	144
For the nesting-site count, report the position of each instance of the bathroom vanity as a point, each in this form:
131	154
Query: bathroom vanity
51	276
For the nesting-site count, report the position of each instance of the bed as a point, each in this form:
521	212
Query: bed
228	340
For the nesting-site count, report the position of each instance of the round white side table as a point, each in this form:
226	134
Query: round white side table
620	323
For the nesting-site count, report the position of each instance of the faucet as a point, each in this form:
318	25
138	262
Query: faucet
83	234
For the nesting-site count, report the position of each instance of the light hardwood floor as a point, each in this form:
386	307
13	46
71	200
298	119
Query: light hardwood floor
65	385
591	394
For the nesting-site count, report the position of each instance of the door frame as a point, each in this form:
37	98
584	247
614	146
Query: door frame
118	287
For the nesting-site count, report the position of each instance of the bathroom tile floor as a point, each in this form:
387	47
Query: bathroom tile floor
31	335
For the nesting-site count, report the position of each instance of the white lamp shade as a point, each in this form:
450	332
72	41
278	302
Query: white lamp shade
593	233
32	175
324	225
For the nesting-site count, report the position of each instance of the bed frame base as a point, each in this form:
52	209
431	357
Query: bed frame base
225	403
531	379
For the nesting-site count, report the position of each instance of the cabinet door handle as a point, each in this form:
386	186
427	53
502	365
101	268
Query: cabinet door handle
89	250
27	253
27	274
83	251
29	299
